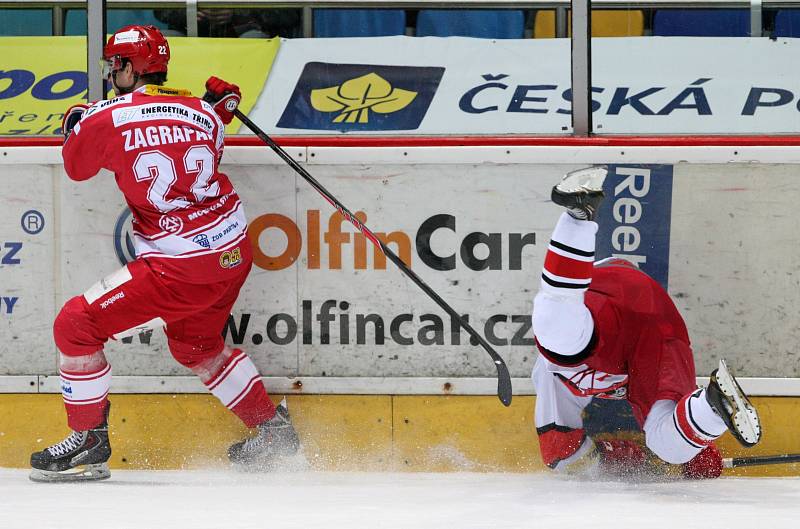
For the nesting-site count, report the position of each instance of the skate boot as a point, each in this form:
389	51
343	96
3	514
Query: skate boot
83	456
581	192
276	439
729	401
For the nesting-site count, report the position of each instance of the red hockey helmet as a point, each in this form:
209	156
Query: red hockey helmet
144	46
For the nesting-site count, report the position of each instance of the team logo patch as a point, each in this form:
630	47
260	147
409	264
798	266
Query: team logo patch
230	259
230	105
170	224
360	97
202	240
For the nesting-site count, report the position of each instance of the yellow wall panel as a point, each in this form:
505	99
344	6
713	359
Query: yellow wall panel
343	432
452	433
605	23
190	431
780	419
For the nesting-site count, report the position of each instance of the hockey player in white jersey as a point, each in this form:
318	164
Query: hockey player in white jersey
607	330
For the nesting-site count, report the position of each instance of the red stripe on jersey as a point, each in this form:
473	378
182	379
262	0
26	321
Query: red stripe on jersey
685	426
559	443
562	266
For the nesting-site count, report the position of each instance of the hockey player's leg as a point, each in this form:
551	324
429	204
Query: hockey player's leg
232	377
683	433
563	443
561	322
85	380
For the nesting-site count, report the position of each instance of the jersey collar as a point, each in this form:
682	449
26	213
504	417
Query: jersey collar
155	90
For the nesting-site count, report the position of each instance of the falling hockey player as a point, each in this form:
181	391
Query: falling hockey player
605	329
193	256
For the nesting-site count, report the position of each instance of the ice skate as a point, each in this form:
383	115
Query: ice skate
82	456
729	401
581	192
275	441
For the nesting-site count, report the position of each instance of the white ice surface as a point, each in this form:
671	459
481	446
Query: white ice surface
322	500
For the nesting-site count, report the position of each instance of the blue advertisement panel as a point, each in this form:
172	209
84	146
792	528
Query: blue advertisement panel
635	217
359	97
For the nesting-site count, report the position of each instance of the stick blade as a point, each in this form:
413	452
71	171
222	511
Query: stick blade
504	389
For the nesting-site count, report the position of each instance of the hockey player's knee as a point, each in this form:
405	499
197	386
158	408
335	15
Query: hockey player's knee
561	324
203	356
75	331
663	438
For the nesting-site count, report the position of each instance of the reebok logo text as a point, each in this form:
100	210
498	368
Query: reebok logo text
112	299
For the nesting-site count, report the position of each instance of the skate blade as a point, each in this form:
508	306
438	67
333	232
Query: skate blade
79	473
588	180
745	416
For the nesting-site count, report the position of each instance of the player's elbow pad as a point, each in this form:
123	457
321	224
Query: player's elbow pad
74	169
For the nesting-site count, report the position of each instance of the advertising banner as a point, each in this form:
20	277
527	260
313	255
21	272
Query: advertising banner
28	287
417	85
641	85
635	217
321	301
41	77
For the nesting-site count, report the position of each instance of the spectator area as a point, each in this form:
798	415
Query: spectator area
787	23
359	22
263	22
26	22
605	23
75	20
701	23
479	23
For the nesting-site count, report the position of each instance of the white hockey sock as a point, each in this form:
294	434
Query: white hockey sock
85	396
234	382
570	256
561	322
702	415
696	421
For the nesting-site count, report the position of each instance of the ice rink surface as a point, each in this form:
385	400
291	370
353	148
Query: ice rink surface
328	500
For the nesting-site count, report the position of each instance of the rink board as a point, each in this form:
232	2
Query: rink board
472	222
724	243
343	432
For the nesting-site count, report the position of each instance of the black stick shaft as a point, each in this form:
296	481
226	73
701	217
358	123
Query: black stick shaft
733	462
503	377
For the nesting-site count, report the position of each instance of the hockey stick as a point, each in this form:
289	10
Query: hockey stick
503	377
735	462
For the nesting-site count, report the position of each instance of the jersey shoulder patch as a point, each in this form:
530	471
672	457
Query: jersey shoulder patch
102	105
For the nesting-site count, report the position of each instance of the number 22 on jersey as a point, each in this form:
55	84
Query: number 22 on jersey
160	168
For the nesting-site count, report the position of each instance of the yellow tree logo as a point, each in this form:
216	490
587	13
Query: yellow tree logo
354	99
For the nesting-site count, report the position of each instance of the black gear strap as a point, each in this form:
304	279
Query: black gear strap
569	360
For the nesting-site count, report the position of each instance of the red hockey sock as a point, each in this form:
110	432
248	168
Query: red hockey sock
705	465
570	256
85	397
238	386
